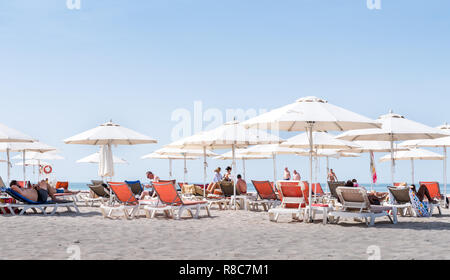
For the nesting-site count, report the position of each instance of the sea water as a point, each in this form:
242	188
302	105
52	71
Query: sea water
251	188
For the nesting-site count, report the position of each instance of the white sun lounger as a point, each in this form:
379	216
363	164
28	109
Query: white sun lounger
356	204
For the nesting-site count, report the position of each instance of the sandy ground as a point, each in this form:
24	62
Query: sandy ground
226	235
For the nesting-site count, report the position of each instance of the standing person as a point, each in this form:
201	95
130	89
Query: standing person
332	176
297	176
287	174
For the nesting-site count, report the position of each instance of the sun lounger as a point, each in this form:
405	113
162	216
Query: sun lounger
267	197
242	200
399	198
128	204
292	201
333	187
2	184
172	201
98	194
435	193
26	204
355	203
65	194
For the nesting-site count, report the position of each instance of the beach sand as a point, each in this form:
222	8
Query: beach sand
229	235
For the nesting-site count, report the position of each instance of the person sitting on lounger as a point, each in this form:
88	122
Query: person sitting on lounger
241	184
216	181
422	193
153	178
355	183
421	207
38	193
227	177
297	176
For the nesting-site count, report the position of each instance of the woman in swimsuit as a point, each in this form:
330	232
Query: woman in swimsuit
38	193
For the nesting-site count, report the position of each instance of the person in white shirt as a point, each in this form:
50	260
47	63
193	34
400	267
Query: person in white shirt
216	181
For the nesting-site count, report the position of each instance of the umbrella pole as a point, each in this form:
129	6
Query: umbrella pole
445	175
233	149
412	171
24	170
243	167
170	169
9	166
311	146
205	166
392	161
185	169
274	158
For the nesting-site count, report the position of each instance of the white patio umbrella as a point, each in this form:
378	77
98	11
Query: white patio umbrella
185	153
311	114
23	148
412	155
95	158
230	135
168	157
241	156
273	150
38	157
443	143
106	135
393	128
9	135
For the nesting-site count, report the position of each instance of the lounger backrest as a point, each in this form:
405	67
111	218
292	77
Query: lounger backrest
19	197
265	190
135	187
96	182
433	188
167	193
333	187
400	184
291	194
99	190
228	188
353	198
305	189
400	194
317	189
123	193
62	185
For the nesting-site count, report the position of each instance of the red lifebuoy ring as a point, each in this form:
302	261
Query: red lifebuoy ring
48	169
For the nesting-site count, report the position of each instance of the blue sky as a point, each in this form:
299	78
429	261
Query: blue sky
65	71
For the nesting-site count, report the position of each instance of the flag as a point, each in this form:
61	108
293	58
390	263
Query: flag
373	170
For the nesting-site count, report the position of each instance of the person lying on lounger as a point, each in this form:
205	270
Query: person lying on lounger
422	193
38	193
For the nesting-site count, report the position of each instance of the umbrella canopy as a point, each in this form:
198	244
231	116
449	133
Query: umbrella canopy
374	146
311	114
299	115
230	135
95	158
110	134
33	162
185	153
170	158
321	140
412	155
9	135
23	148
394	128
273	150
241	156
40	156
